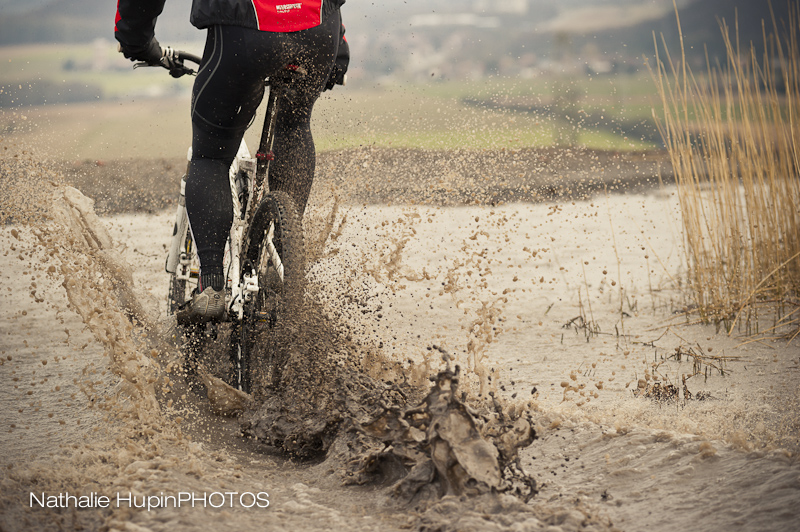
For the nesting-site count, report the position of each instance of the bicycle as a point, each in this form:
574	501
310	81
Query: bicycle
265	253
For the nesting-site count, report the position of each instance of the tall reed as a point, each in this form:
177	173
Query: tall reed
733	136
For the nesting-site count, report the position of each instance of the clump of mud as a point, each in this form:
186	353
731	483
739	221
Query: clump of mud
446	447
347	404
667	392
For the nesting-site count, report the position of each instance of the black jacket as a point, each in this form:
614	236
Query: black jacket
207	13
136	19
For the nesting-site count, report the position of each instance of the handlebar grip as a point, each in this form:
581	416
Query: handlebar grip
173	60
186	56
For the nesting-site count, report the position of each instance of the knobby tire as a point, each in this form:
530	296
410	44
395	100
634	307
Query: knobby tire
261	358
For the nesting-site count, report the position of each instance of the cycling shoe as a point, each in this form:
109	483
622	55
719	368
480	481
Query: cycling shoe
208	305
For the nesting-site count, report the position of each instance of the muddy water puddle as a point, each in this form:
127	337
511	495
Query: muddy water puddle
558	311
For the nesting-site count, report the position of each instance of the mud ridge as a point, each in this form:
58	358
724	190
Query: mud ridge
394	175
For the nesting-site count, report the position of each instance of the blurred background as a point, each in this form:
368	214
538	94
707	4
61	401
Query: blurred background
424	73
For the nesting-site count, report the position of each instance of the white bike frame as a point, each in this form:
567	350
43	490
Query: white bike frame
186	266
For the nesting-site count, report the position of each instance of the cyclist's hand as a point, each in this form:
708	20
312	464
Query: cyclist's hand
338	76
149	53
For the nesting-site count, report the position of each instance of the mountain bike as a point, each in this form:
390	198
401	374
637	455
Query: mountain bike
264	260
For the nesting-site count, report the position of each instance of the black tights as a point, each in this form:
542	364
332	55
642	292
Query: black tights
226	94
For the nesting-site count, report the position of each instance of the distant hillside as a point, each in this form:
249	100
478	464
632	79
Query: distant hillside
382	39
700	22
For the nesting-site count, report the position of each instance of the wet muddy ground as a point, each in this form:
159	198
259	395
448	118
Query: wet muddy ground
564	312
383	175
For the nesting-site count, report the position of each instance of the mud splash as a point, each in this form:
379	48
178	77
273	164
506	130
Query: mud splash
338	395
377	430
323	401
445	448
617	457
99	287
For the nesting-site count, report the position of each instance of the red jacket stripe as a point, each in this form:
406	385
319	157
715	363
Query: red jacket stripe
287	15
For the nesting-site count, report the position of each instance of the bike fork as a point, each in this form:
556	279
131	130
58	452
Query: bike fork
178	232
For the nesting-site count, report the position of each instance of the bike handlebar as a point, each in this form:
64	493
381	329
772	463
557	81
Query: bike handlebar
173	60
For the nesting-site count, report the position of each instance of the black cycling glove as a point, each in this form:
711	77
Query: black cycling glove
336	77
149	53
340	64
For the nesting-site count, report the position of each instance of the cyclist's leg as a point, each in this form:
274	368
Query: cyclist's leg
226	94
292	171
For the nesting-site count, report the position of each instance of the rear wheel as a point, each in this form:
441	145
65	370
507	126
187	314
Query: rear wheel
275	250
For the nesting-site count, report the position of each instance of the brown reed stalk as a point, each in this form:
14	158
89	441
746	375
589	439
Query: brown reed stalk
733	136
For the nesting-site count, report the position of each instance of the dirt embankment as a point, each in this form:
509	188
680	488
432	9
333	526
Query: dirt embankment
388	175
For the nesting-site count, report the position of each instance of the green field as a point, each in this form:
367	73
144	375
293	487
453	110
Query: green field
96	64
127	121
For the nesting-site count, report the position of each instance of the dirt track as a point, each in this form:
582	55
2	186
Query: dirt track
499	288
382	175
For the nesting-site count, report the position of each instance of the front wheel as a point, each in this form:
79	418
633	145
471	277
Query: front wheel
275	251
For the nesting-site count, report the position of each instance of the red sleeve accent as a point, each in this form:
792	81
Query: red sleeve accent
117	18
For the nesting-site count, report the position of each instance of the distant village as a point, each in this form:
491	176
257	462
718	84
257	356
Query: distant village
513	38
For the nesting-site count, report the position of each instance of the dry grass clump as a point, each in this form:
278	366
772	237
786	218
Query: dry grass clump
733	135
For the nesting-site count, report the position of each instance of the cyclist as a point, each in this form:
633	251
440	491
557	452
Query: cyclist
247	41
